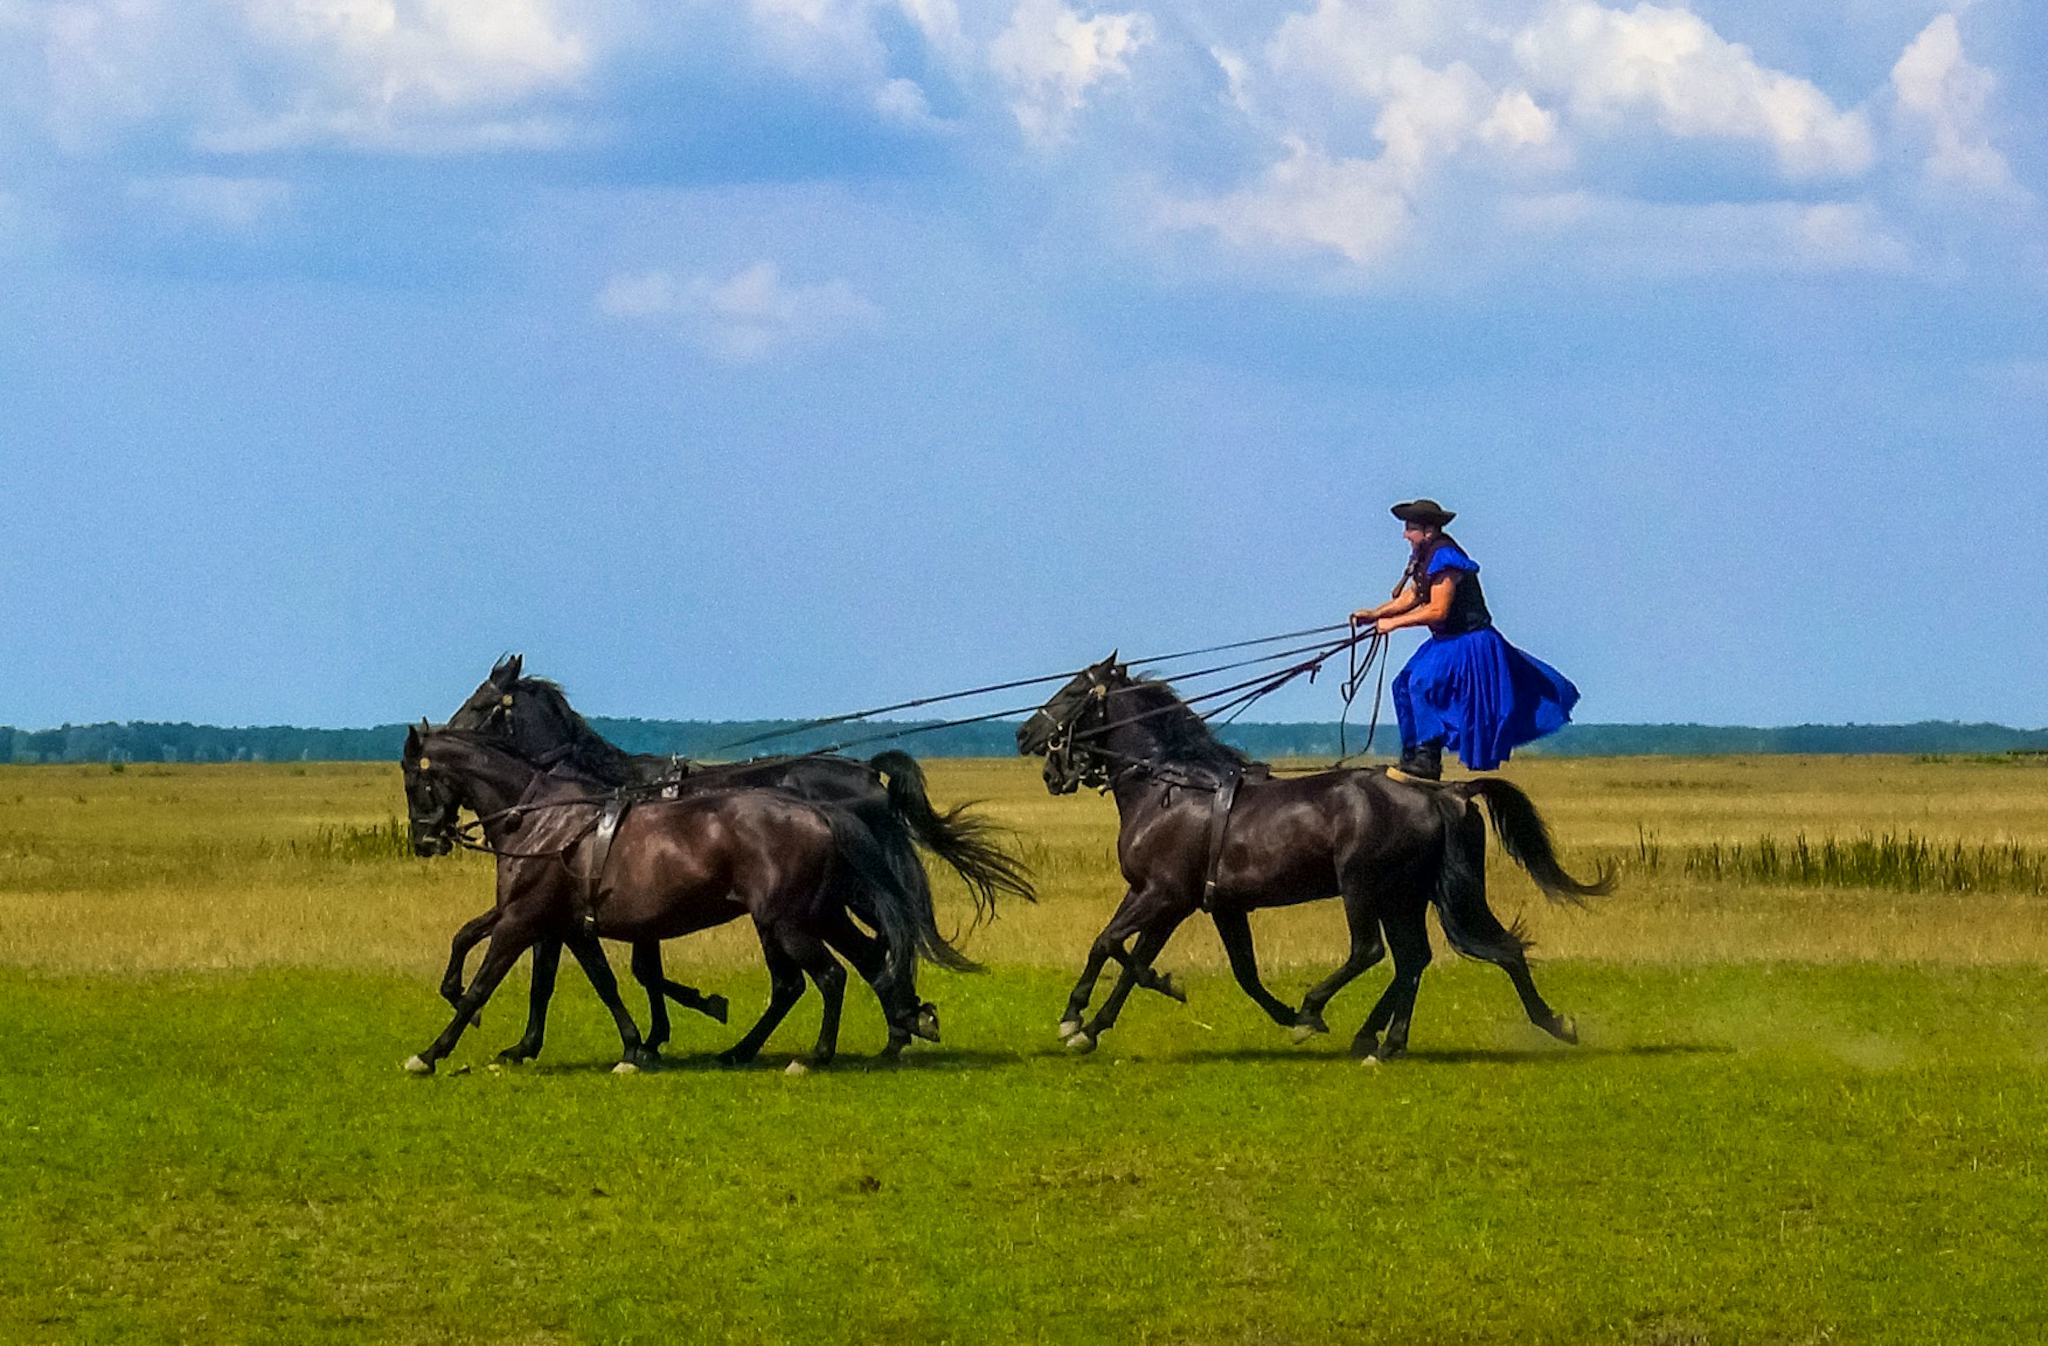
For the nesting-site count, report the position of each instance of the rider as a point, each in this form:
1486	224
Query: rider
1466	687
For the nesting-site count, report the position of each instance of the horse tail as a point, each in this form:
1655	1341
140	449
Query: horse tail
896	849
1526	838
890	906
967	843
1460	896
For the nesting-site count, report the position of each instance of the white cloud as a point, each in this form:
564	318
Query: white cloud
1944	95
1050	57
233	204
744	317
1356	208
1422	115
259	75
1608	64
410	74
1612	235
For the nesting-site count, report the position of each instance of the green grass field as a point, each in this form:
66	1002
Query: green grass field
1810	1106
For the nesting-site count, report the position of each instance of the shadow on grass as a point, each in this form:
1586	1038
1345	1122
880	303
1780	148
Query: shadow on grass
947	1060
1450	1056
925	1059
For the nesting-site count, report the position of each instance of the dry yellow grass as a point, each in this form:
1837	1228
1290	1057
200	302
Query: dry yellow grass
162	868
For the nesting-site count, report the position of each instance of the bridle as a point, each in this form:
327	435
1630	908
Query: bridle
1067	765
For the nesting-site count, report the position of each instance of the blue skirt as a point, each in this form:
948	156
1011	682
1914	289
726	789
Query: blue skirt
1481	696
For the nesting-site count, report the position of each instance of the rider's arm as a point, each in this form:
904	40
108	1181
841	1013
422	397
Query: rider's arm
1425	614
1402	601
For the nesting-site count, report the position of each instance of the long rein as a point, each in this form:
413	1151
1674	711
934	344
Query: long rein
1250	691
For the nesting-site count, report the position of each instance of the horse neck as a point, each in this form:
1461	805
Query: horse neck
589	748
490	780
1133	740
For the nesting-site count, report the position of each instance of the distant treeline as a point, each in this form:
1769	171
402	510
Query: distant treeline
139	741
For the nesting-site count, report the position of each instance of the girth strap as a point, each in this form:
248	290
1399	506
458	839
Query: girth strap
1219	823
602	835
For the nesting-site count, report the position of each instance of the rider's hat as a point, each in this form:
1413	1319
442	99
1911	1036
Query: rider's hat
1423	512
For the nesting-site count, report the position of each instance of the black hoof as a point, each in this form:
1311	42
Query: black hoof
516	1056
714	1006
1170	988
1365	1047
925	1023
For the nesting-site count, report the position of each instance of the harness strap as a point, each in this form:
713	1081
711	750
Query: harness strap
1219	823
602	834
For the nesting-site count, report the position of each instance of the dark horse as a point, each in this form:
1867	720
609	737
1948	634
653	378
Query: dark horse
1202	826
532	717
673	867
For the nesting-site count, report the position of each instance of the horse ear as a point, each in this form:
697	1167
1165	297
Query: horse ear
412	740
517	666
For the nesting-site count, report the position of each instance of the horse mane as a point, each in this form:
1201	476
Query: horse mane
1179	736
589	751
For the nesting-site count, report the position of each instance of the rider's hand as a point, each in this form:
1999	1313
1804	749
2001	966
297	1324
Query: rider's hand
1361	616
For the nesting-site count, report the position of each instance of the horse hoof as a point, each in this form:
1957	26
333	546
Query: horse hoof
1368	1060
715	1006
1172	989
1079	1043
625	1068
418	1065
1069	1027
796	1068
926	1024
1566	1029
1303	1032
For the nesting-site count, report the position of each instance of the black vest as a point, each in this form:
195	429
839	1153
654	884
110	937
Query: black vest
1468	601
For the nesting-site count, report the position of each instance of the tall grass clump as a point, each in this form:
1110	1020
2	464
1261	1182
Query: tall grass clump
351	845
1900	861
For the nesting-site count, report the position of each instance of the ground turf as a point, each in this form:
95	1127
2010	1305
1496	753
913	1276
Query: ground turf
1802	1113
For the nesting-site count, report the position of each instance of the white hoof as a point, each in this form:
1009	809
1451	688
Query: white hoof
415	1065
1069	1027
1303	1032
796	1068
1372	1061
625	1068
1080	1043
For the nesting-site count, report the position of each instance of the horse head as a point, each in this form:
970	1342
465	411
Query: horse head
1050	730
431	799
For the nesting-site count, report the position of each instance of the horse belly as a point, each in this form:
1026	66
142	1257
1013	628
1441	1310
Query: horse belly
664	892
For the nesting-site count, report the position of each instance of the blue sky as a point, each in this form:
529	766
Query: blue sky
772	357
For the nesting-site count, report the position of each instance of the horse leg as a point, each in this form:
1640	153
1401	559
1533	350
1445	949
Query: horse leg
468	937
1408	936
512	936
1362	917
1143	950
547	957
1560	1026
785	988
647	971
809	952
1109	944
906	1016
1150	978
1234	928
590	956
